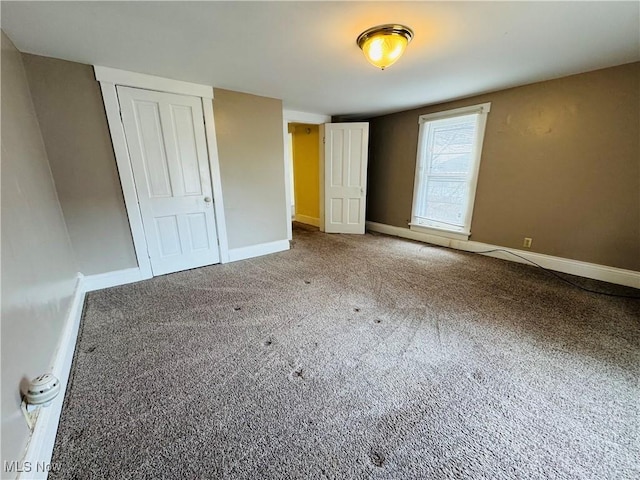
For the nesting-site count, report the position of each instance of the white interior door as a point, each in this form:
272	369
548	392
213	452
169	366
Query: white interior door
167	145
346	148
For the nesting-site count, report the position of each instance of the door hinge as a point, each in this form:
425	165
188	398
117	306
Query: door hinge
324	140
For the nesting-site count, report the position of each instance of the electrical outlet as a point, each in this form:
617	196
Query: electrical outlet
527	242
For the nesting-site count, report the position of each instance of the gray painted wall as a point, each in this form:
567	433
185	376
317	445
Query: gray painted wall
74	127
251	151
38	266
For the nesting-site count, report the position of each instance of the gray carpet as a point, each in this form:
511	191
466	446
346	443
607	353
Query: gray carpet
354	357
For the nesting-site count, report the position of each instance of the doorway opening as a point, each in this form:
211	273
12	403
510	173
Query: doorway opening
325	167
304	148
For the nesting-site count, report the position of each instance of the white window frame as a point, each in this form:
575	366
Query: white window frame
482	110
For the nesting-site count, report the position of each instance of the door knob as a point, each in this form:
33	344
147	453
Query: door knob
207	199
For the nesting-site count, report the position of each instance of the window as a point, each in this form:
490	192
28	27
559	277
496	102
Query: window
449	148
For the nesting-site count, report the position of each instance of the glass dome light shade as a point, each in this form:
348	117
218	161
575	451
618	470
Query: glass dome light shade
384	45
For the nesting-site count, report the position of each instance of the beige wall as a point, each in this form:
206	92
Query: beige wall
71	113
560	164
251	151
38	268
74	127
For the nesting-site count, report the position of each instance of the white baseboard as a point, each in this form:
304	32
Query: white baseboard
615	275
40	447
112	279
307	220
252	251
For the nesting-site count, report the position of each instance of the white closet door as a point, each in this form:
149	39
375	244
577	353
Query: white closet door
167	145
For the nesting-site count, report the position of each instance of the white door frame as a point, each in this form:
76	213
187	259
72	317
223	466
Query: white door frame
109	78
293	116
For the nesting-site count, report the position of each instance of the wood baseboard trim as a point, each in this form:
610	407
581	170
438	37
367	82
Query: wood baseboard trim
604	273
40	447
112	279
243	253
307	220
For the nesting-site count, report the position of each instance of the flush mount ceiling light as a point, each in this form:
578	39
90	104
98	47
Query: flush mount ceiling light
384	44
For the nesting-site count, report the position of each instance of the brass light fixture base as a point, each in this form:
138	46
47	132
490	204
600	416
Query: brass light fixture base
388	29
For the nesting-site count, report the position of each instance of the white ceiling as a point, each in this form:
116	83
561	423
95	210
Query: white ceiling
305	52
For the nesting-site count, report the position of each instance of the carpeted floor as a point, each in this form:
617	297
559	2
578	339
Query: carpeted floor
354	357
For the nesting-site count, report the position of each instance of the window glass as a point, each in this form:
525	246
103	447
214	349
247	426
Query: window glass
447	169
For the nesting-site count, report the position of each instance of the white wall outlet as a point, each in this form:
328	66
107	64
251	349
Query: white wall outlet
527	242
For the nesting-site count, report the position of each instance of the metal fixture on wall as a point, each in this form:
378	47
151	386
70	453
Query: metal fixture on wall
384	45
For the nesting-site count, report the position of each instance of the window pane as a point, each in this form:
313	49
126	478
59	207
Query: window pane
446	201
450	147
451	164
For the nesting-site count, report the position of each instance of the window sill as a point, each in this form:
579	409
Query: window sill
440	232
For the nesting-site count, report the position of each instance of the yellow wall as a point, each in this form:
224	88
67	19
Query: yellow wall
306	177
